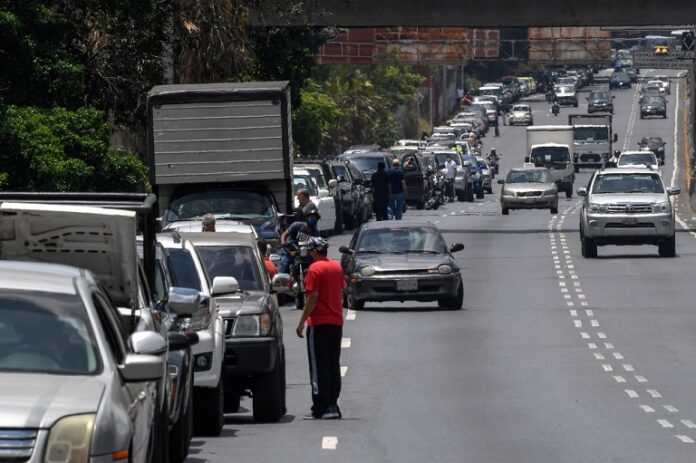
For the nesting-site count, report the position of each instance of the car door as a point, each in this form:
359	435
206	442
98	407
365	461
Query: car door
413	176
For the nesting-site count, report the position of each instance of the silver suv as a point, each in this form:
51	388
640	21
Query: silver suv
626	206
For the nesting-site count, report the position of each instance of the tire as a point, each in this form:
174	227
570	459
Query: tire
569	192
480	194
554	210
160	451
178	437
455	303
420	205
209	413
470	195
489	190
233	396
576	169
506	211
589	247
269	393
641	116
352	303
668	248
338	225
664	116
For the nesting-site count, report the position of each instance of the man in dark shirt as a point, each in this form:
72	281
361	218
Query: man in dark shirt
380	190
296	233
397	186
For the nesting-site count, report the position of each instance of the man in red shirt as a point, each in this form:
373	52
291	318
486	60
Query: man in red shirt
323	314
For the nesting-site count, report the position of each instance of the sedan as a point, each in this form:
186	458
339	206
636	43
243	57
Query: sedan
654	144
653	106
619	80
528	188
408	261
521	114
73	387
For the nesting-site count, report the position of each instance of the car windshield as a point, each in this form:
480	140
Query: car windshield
654	100
232	261
546	155
590	134
401	240
46	333
528	176
183	269
628	183
442	157
368	164
599	96
637	159
521	108
304	181
317	176
232	205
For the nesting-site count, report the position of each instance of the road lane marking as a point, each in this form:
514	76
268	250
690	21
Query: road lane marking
685	439
619	379
329	442
653	393
671	409
618	356
641	379
631	393
601	335
599	356
594	323
665	424
589	313
647	408
585	335
591	345
628	367
344	370
345	343
350	315
689	424
573	313
578	323
607	368
609	345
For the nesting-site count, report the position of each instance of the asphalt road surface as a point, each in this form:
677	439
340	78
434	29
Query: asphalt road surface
554	358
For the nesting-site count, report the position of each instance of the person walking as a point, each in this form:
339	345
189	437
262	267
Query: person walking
380	190
397	186
450	174
323	314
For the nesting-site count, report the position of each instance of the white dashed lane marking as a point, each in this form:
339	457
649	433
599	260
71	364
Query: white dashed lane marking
665	424
647	408
631	393
329	442
345	343
344	370
350	315
685	439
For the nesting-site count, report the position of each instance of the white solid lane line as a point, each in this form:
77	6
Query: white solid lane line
329	442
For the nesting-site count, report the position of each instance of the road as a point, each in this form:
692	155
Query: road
554	358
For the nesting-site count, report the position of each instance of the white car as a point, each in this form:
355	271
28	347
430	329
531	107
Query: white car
665	80
321	198
521	114
637	159
656	84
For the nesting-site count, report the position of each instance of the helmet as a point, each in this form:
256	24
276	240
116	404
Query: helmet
492	150
318	244
312	211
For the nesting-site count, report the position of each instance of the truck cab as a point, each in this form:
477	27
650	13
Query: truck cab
557	159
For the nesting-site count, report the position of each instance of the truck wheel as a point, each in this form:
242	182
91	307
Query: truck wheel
209	414
554	210
233	395
589	247
506	211
668	248
269	393
455	303
179	438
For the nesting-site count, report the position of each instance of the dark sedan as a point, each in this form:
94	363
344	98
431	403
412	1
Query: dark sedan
600	101
619	79
653	106
654	144
404	261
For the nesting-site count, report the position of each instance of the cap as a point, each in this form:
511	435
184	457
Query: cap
396	162
318	244
312	211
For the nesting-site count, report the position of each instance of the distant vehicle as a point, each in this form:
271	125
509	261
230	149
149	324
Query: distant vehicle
552	146
462	185
656	86
320	197
627	206
619	79
486	175
653	106
664	79
521	114
593	140
654	144
600	101
566	95
638	159
528	188
402	261
355	149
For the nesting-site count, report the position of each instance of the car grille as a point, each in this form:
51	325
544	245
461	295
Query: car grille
523	194
629	208
229	324
403	272
591	157
623	225
17	445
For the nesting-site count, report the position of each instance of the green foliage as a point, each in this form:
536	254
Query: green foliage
313	120
63	150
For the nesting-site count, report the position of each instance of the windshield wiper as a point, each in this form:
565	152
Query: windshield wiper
365	251
420	251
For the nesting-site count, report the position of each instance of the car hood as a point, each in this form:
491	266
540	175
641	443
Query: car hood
628	198
244	302
97	239
38	400
410	261
515	187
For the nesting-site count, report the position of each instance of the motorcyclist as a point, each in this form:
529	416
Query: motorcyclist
493	155
296	233
555	107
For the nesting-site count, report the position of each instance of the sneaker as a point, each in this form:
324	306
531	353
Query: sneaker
310	417
331	414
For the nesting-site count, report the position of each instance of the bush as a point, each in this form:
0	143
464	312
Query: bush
62	150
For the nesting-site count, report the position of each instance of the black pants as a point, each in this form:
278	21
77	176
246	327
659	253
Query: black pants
380	207
324	351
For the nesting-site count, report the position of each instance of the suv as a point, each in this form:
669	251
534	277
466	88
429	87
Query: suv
254	360
600	101
627	206
566	95
653	105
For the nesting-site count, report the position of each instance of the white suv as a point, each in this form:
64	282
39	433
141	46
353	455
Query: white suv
627	206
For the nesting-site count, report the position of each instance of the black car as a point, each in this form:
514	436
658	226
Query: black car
401	261
653	105
654	144
600	101
619	79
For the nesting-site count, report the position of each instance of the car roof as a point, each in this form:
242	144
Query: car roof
627	170
36	276
636	152
220	238
364	154
220	226
385	224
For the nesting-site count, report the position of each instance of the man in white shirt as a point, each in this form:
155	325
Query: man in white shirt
450	173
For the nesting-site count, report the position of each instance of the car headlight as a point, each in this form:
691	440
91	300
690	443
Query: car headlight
661	208
527	116
247	325
598	208
367	271
551	191
445	269
69	439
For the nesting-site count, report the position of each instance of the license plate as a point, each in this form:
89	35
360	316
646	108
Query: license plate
529	200
406	285
630	221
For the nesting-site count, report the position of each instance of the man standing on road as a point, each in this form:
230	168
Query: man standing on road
397	186
450	174
380	189
323	314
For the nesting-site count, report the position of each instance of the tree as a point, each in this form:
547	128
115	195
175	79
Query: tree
313	120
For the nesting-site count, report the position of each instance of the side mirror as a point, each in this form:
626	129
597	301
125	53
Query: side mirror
501	181
181	341
456	247
186	301
582	191
673	191
333	183
280	283
139	368
345	250
147	343
225	285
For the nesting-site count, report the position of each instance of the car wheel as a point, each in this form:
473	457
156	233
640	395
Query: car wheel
589	247
506	211
664	116
233	396
455	303
269	393
178	436
470	195
641	116
352	303
338	225
480	194
209	414
420	205
668	248
160	451
554	210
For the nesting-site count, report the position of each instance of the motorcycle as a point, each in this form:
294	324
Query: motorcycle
549	96
493	162
298	270
555	109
